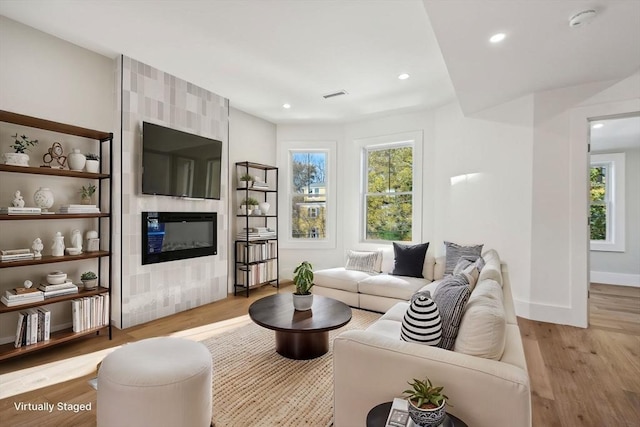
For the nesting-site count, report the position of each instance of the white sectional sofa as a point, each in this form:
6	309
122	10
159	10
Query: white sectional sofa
485	375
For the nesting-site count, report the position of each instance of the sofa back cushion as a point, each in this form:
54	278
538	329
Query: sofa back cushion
421	322
492	268
483	327
427	269
453	253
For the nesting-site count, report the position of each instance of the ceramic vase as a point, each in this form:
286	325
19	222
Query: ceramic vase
264	207
92	166
302	302
57	249
76	160
43	198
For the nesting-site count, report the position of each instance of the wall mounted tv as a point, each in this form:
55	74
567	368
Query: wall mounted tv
180	164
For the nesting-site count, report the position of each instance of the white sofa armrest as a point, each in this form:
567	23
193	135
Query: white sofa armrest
370	369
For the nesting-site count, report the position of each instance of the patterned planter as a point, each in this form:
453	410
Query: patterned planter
427	417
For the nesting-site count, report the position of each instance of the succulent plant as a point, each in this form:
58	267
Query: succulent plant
246	177
424	395
88	275
303	278
91	156
88	191
250	201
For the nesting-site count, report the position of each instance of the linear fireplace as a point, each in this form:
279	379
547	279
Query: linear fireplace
170	236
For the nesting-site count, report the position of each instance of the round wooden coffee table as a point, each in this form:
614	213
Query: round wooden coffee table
300	335
377	417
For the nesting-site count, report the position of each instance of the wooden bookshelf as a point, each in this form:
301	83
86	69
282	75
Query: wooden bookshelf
81	294
49	259
52	171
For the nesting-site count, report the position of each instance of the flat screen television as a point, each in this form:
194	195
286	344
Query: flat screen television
180	164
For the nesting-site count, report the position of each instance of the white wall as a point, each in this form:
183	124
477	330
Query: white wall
49	78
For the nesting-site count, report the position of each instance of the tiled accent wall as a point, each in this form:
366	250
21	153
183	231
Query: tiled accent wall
157	290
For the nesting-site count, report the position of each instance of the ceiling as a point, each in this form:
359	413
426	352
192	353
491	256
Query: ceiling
616	134
263	54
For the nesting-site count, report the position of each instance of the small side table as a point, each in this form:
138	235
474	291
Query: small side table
377	417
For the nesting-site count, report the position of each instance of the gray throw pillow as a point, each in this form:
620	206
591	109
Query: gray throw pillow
421	323
454	252
451	299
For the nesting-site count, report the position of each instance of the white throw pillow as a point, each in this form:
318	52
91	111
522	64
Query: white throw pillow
368	261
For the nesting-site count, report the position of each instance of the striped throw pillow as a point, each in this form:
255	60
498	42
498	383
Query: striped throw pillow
454	252
370	262
451	299
421	323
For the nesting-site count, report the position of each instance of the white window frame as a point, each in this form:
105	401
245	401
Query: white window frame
285	149
413	139
615	201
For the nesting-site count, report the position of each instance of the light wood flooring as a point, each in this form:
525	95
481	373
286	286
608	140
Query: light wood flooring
579	377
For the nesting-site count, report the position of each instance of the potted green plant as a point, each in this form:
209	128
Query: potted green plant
245	179
251	204
92	164
86	194
303	279
20	144
426	403
89	280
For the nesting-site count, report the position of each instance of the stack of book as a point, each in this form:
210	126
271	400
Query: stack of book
11	210
66	288
257	233
21	296
90	312
78	209
34	325
15	254
260	184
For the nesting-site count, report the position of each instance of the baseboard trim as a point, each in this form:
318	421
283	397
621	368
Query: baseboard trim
621	279
550	313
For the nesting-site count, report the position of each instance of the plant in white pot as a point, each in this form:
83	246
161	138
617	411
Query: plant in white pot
92	164
303	279
426	403
20	145
245	179
89	279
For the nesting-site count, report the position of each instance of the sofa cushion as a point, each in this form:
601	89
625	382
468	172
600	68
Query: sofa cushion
386	285
469	269
454	252
482	330
409	259
421	322
451	298
367	261
492	268
339	278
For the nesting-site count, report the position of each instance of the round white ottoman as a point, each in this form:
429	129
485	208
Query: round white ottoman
156	382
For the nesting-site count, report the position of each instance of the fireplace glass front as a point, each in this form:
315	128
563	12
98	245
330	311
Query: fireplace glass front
170	236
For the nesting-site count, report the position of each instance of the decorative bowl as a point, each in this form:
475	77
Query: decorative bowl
56	277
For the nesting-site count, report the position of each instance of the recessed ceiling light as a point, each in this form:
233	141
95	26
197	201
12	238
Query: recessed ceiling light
497	38
597	126
403	76
287	106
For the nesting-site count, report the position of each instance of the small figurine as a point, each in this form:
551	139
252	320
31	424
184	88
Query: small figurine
57	249
18	201
28	284
37	248
76	239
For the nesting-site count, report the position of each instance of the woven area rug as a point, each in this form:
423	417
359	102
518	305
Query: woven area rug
255	386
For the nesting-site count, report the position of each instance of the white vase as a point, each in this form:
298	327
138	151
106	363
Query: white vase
264	207
57	249
43	198
92	166
16	159
76	160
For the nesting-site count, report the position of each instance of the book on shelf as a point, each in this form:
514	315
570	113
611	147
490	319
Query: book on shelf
399	414
12	295
66	285
22	301
81	206
44	322
15	251
60	292
19	328
16	257
20	291
11	210
67	209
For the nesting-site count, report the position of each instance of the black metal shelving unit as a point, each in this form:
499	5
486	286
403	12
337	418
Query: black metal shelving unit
256	249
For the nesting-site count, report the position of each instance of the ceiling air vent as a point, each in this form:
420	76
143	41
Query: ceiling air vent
331	95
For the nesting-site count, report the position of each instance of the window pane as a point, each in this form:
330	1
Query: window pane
598	183
309	198
598	222
389	217
390	170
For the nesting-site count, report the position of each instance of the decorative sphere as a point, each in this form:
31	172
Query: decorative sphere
28	284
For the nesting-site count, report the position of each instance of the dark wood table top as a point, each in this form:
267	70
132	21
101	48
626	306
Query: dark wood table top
276	312
377	417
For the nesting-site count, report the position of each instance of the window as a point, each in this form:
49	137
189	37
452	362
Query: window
388	192
606	195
